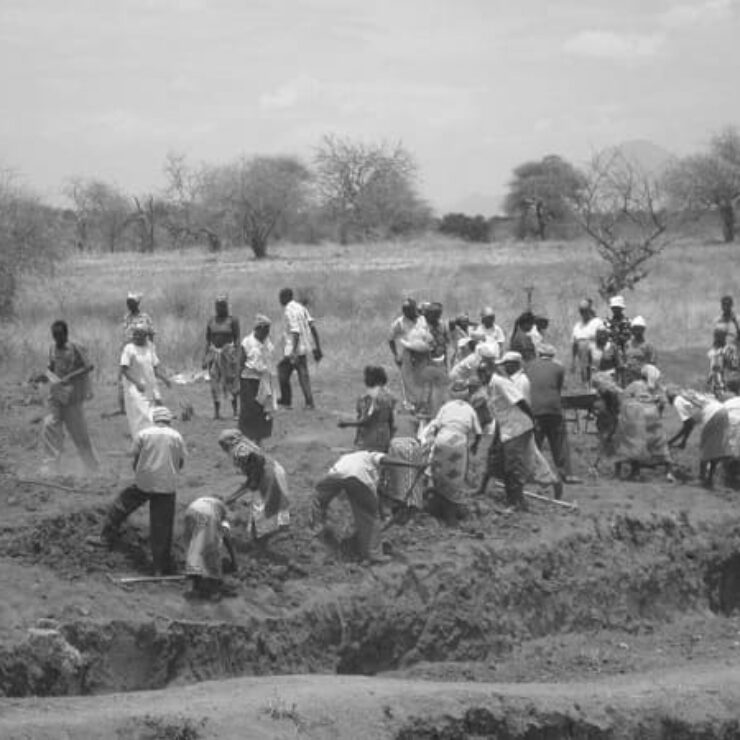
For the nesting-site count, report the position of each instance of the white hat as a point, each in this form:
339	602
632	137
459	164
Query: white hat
639	321
487	350
510	357
616	301
487	311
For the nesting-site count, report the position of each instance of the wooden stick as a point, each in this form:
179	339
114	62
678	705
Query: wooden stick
50	484
150	579
537	497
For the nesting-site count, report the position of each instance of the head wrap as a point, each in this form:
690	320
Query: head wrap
639	321
136	297
222	298
487	311
487	350
616	301
584	305
261	320
229	438
162	414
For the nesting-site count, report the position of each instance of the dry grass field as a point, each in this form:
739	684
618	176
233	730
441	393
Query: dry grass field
354	293
507	625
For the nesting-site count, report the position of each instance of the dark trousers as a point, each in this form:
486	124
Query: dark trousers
365	509
551	427
285	370
515	469
161	521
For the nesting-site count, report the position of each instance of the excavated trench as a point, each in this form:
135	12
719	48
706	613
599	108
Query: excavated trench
475	607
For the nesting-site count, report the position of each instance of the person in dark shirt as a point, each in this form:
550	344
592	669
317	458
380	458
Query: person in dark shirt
546	378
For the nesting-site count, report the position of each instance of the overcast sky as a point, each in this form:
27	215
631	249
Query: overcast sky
471	87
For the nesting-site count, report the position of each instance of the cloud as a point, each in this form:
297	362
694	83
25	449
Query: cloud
705	11
291	94
601	44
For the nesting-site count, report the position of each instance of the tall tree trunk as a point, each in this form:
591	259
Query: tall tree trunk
539	210
259	246
727	214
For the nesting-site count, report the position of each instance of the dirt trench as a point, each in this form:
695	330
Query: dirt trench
623	575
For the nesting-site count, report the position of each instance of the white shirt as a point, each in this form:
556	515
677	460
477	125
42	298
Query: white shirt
586	332
257	357
697	407
503	396
297	320
160	450
493	335
521	381
458	414
363	465
466	369
141	362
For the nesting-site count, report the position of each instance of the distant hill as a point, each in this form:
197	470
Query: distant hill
647	156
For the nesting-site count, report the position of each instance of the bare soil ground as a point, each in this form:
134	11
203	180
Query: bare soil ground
615	621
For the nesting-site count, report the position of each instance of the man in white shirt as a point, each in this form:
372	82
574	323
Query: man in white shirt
300	336
159	455
489	331
357	475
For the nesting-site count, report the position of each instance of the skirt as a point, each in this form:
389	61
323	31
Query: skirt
404	485
223	371
449	463
204	536
253	420
715	437
639	436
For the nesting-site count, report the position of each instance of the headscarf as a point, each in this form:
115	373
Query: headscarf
132	296
229	438
261	320
222	298
546	350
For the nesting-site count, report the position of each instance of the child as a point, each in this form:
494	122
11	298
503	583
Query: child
374	413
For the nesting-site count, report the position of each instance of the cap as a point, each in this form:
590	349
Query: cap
161	414
639	321
584	305
546	350
509	357
487	350
487	311
616	301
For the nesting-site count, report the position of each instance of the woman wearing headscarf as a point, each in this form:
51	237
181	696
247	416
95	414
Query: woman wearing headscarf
451	437
410	343
220	359
521	341
402	486
706	412
265	477
134	316
207	533
584	340
256	384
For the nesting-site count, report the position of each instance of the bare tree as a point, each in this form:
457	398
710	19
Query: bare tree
102	212
149	212
368	188
620	208
28	237
711	180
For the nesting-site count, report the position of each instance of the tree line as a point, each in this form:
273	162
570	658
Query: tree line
357	191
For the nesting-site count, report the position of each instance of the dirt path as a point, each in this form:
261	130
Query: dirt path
700	702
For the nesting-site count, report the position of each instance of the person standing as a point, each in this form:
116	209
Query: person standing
159	455
727	320
723	361
638	352
375	413
133	317
410	343
584	340
257	395
300	334
69	373
546	380
619	328
220	359
436	371
140	370
521	341
488	331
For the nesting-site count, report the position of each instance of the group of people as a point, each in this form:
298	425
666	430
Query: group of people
461	381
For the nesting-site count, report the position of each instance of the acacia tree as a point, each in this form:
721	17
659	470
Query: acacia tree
620	208
254	195
540	193
369	189
710	180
